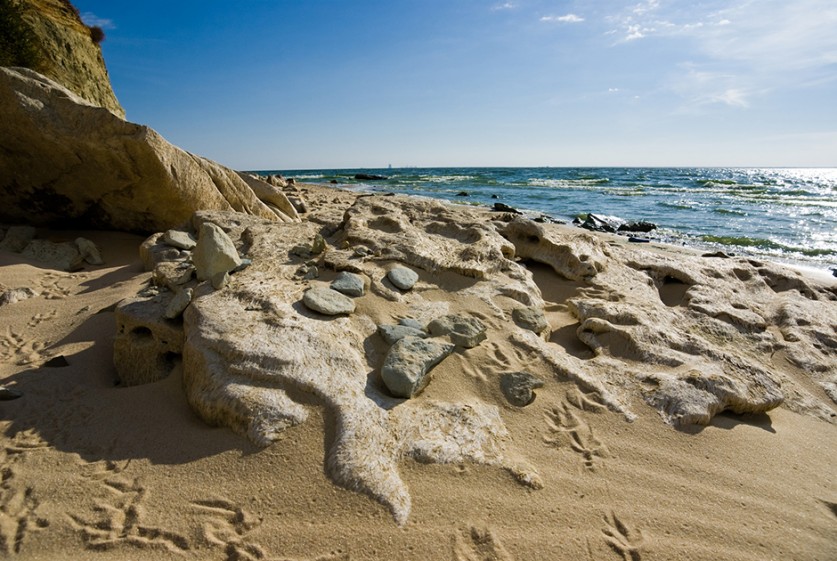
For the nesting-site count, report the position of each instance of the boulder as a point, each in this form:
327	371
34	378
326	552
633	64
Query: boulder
349	284
67	162
63	256
327	301
370	177
89	252
214	253
463	331
17	238
408	364
402	277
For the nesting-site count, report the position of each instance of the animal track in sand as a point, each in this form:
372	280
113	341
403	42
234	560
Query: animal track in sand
37	319
18	504
621	539
17	349
591	401
565	429
479	544
54	286
229	526
120	521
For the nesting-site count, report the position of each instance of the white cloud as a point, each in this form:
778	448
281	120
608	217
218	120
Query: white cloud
505	6
569	18
90	19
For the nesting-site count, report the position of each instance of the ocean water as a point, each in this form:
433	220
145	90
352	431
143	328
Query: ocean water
787	215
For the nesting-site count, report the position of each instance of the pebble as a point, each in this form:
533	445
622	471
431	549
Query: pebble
518	387
402	277
532	319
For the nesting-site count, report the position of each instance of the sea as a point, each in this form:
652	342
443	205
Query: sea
781	214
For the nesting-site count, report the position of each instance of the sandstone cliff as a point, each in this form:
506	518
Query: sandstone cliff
66	52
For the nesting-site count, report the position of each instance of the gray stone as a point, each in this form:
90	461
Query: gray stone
220	279
408	364
532	319
518	387
301	250
402	277
15	295
182	298
17	238
349	284
393	333
410	322
179	239
214	253
327	301
464	331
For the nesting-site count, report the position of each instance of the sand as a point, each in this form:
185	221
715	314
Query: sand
95	471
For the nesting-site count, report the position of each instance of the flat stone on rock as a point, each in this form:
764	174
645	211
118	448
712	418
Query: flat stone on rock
402	277
214	253
179	239
532	319
182	298
348	283
327	301
518	387
394	333
464	331
408	364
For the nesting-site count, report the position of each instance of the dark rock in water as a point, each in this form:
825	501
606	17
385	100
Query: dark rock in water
518	387
546	219
634	239
333	182
720	254
370	177
601	223
57	362
502	207
834	272
463	194
495	196
641	226
577	221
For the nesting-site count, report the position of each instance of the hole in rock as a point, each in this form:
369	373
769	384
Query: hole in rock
141	332
673	291
566	337
169	360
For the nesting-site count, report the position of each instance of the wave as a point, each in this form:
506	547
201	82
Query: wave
765	244
562	183
730	211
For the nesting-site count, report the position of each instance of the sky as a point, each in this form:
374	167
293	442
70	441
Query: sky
314	84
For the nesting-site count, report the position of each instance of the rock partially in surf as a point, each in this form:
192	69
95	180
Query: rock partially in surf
463	194
408	364
502	207
721	254
370	177
639	226
402	277
602	223
519	387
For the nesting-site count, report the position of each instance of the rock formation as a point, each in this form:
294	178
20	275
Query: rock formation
67	162
677	335
64	49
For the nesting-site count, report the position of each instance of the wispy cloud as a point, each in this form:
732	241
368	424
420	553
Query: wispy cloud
90	19
568	18
504	6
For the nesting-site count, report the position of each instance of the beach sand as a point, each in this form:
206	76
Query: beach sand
95	471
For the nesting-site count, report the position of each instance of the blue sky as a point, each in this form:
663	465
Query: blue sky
319	84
